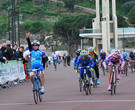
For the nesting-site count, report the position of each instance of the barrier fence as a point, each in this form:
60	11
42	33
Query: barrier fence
11	71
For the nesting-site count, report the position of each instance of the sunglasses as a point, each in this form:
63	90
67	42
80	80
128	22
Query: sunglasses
35	45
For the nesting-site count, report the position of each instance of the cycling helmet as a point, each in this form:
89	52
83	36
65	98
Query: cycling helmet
35	42
101	51
116	54
133	51
83	53
91	49
125	54
78	52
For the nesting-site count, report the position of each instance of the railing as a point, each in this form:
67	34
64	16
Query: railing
82	31
95	31
126	30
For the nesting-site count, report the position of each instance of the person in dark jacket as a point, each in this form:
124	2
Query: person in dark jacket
14	52
9	51
20	54
68	59
2	58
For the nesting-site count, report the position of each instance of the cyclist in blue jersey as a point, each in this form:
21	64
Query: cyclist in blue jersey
37	59
102	56
85	60
76	57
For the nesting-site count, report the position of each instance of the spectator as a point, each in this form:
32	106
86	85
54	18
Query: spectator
64	59
9	51
2	58
20	54
5	52
46	61
59	59
55	60
68	59
14	52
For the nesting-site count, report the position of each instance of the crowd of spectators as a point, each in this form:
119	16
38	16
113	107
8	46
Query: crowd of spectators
8	52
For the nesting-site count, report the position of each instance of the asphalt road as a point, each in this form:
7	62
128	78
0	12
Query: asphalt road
62	93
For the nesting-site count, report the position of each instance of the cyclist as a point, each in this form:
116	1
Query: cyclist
37	58
102	56
76	57
94	56
85	60
114	58
126	59
132	58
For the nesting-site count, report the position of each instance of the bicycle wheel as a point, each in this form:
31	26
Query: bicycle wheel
89	87
112	84
86	87
39	85
126	70
35	92
80	85
103	70
94	80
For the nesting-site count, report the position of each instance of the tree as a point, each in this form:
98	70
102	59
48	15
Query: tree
70	4
121	21
127	6
66	30
131	15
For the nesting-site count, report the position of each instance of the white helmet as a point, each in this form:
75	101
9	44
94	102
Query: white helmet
91	49
36	42
101	51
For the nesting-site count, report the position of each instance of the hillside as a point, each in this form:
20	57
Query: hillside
39	17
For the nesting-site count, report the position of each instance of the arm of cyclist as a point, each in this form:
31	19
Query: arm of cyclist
75	62
106	60
92	64
28	40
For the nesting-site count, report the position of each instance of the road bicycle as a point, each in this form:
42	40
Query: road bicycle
36	85
114	80
125	71
85	83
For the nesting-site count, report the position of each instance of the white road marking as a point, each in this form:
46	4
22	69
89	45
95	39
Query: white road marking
67	102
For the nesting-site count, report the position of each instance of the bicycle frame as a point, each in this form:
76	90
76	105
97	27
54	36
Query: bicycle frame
87	86
114	80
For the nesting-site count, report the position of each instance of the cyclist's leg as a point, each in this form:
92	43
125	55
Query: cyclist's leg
118	75
81	73
42	77
89	73
110	76
31	76
101	61
97	73
133	65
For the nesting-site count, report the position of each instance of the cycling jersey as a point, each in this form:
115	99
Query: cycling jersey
132	56
125	55
88	61
94	56
85	62
36	57
102	56
114	61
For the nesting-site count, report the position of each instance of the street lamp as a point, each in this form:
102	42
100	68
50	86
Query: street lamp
123	38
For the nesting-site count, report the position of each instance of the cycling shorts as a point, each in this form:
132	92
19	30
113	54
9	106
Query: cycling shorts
37	67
